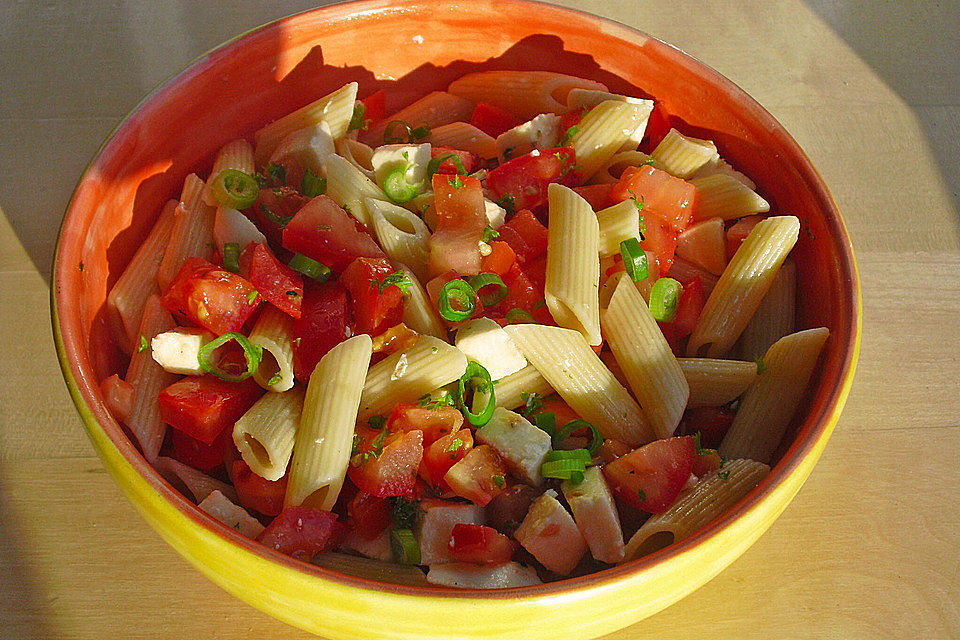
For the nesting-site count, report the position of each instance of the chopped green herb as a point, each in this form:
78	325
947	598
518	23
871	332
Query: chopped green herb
696	443
508	202
312	185
572	131
454	447
404	512
398	279
649	162
144	345
280	221
275	379
252	297
456	182
276	174
489	233
641	495
540	304
377	422
724	475
434	349
357	121
429	402
499	481
80	266
761	366
532	402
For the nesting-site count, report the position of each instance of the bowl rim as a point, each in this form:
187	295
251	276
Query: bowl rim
813	432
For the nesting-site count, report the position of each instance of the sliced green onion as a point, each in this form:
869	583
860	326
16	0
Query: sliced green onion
546	421
280	221
397	187
483	280
420	133
309	267
252	353
434	165
406	549
357	119
235	189
664	297
460	293
634	259
312	185
562	469
231	257
575	425
576	477
573	454
473	372
396	132
519	316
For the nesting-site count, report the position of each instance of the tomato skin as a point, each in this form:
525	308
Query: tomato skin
434	423
375	106
479	476
711	422
257	493
571	118
659	470
199	455
501	258
493	120
373	310
207	296
283	203
321	230
658	126
524	294
447	167
612	449
442	454
661	240
461	219
689	307
525	179
598	195
525	235
368	515
279	285
739	231
479	544
394	472
707	461
665	196
203	406
302	532
326	320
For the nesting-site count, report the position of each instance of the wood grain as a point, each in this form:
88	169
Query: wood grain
868	549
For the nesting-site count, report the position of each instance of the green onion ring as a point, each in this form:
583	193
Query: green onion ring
434	165
482	280
252	353
309	267
634	259
462	294
235	189
664	297
476	370
406	549
397	187
519	316
396	132
595	443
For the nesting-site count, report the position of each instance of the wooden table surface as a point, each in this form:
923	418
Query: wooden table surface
870	548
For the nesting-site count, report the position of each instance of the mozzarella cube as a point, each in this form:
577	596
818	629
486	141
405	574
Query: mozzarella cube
486	343
310	146
415	157
596	515
178	351
377	549
496	215
543	132
521	445
550	534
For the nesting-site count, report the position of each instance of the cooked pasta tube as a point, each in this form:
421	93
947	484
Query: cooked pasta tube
682	155
336	109
645	358
402	235
236	154
768	406
509	391
586	98
138	281
357	154
716	382
197	483
742	286
273	332
709	498
571	367
464	136
192	232
264	435
349	187
617	223
418	311
613	168
407	375
573	263
774	317
603	131
434	110
723	196
324	436
522	93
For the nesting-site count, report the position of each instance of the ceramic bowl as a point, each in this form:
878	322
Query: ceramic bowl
411	47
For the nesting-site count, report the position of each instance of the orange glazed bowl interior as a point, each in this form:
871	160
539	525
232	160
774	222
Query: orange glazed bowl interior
409	48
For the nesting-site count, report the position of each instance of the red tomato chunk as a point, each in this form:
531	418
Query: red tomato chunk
689	308
442	454
373	310
199	455
279	285
650	478
203	406
467	159
525	235
525	179
433	422
326	320
207	296
368	515
664	196
257	493
479	544
302	532
390	471
323	231
493	120
461	219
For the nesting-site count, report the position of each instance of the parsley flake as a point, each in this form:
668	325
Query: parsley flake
404	512
499	481
275	379
489	233
761	365
398	279
572	131
641	495
724	475
508	202
144	345
532	402
252	297
455	182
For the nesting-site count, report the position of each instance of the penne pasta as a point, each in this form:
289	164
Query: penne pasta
604	131
236	154
645	358
357	154
466	137
523	93
682	155
138	282
197	483
265	434
434	110
571	367
407	375
714	382
768	406
403	235
709	498
324	436
336	109
418	312
586	98
573	263
273	333
720	166
617	223
148	379
774	317
723	196
742	286
510	390
349	187
236	517
192	232
611	170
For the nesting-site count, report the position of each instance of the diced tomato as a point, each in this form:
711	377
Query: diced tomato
469	160
664	196
689	307
479	544
373	310
525	235
258	493
501	258
650	478
479	476
273	208
326	320
118	395
658	125
279	285
711	423
399	337
433	422
704	244
612	449
707	461
461	219
434	286
200	455
323	231
394	471
739	231
375	106
203	406
509	507
525	179
210	297
442	454
368	515
571	118
598	195
524	294
660	240
493	120
303	532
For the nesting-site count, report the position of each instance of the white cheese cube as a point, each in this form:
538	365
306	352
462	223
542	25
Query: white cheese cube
596	515
474	576
310	146
486	343
543	132
415	157
176	351
377	549
521	445
496	215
